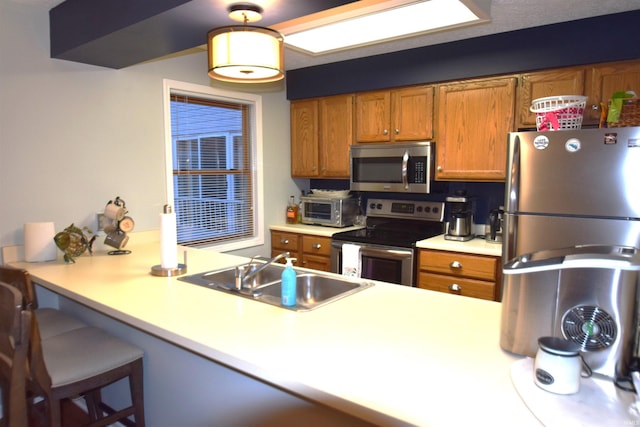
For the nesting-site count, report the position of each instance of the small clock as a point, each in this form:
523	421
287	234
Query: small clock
126	224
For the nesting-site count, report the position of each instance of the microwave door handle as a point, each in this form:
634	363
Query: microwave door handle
405	162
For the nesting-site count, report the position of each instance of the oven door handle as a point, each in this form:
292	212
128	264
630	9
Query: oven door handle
405	163
394	253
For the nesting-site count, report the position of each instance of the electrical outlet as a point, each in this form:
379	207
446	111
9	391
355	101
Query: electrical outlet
100	218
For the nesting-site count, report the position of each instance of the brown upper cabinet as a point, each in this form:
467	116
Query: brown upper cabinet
603	80
397	115
568	81
598	82
473	118
321	134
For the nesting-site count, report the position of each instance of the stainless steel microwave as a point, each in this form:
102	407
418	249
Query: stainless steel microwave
401	168
329	211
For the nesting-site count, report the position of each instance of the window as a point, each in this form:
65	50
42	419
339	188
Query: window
213	149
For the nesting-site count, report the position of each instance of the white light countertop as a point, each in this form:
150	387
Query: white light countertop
316	230
474	246
390	354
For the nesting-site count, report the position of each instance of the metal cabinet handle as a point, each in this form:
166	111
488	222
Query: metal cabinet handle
397	131
454	287
316	246
455	264
385	132
284	241
439	168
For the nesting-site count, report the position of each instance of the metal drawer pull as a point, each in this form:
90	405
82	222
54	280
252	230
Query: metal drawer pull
455	264
455	287
316	246
284	241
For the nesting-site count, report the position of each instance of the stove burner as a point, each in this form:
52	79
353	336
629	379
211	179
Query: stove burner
389	227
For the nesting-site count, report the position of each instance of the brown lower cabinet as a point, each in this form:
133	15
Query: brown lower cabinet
310	251
471	275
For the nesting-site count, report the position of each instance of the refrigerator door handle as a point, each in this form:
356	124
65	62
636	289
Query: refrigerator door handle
596	256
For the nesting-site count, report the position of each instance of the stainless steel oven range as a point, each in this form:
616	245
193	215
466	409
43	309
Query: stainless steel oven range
387	244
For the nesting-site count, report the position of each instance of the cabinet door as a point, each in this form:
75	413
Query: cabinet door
472	123
606	79
373	116
336	135
569	81
304	138
412	114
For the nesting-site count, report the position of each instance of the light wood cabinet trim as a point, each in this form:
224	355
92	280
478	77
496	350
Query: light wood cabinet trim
459	264
316	245
466	287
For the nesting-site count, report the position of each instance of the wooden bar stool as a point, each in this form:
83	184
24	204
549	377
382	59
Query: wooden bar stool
81	362
15	324
67	359
52	321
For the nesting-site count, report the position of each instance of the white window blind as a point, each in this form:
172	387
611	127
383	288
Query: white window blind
213	179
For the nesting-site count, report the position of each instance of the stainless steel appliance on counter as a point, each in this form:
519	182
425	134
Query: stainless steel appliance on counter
329	211
460	223
400	168
387	243
570	194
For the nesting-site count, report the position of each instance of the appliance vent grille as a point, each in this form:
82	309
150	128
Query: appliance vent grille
590	327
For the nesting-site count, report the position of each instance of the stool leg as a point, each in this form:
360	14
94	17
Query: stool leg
137	395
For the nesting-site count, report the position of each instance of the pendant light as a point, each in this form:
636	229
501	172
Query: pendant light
245	53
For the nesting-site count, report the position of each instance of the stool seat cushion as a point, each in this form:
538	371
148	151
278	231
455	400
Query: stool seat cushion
54	322
97	352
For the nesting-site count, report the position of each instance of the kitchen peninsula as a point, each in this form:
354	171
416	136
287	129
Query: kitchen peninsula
388	355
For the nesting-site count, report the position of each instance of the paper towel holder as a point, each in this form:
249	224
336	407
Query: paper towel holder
159	270
170	239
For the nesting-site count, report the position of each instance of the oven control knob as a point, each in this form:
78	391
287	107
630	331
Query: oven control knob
419	209
372	205
379	206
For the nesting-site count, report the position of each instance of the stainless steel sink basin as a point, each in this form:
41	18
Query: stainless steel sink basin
314	289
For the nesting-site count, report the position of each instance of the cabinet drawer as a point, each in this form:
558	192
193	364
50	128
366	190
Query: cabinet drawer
316	245
284	241
459	264
457	286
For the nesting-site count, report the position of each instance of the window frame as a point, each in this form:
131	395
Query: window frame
254	102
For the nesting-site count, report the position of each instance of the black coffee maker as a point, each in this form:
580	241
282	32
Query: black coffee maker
460	222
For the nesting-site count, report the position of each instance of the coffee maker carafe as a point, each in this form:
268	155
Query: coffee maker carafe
460	223
496	222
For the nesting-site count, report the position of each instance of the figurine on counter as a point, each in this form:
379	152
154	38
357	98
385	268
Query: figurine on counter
73	242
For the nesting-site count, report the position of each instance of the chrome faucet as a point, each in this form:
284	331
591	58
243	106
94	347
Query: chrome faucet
246	272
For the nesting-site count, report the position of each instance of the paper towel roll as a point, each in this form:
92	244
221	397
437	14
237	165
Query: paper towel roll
168	240
38	242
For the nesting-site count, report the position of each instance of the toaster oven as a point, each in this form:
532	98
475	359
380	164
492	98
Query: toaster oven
329	211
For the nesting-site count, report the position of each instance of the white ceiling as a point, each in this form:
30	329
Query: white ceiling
506	15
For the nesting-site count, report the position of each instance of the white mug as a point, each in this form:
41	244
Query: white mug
559	366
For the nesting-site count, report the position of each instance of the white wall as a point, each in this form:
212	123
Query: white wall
74	136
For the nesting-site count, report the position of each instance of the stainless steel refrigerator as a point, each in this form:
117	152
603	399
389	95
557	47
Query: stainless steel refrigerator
569	188
572	195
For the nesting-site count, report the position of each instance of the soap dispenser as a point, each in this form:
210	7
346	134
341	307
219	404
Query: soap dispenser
289	284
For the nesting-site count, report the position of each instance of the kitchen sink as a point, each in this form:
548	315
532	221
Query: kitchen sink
314	289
